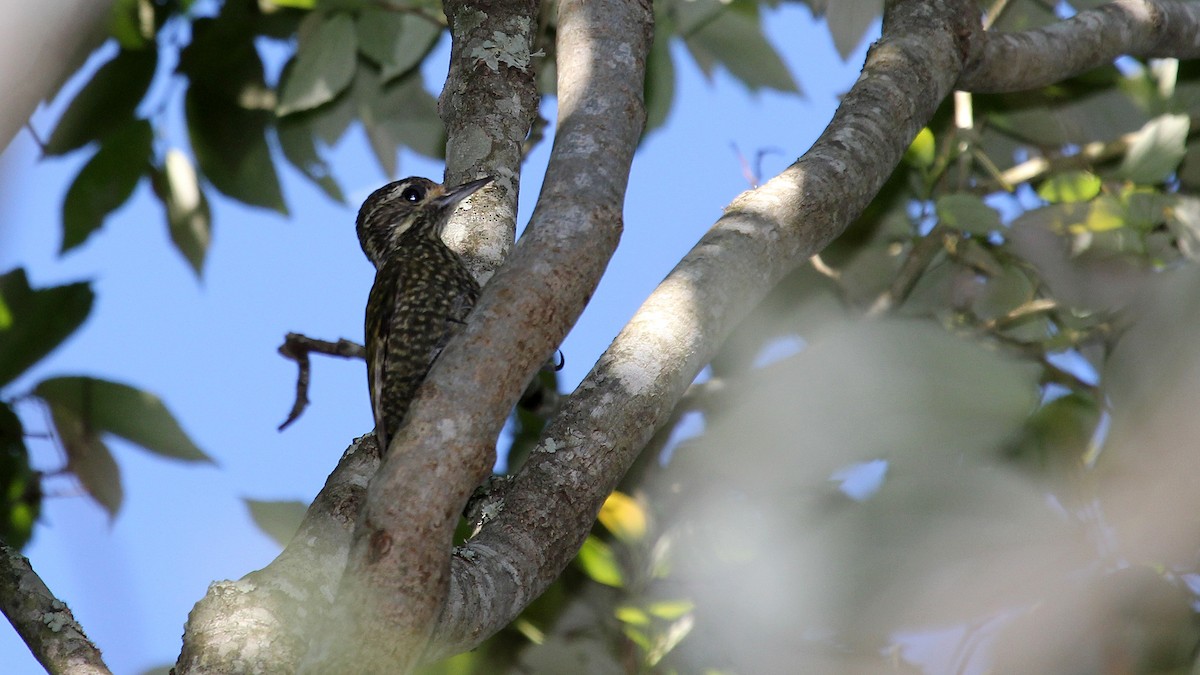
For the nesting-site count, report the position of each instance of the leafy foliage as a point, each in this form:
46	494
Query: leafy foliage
972	319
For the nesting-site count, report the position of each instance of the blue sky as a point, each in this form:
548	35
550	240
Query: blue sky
208	347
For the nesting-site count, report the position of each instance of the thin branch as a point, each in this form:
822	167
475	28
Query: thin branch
918	260
297	347
1035	58
43	621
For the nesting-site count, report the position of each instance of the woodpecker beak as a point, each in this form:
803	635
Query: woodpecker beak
457	194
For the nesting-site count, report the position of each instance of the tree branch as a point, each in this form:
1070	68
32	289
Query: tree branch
1036	58
488	111
297	347
43	621
632	390
398	576
263	622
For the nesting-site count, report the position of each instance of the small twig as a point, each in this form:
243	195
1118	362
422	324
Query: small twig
1028	309
747	171
44	622
297	347
823	268
36	138
918	260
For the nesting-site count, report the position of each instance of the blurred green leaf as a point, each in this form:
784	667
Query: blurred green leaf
1091	107
597	560
231	148
731	34
399	113
1104	214
1004	292
1059	432
106	103
222	61
278	520
324	63
88	458
298	4
1157	150
188	216
135	415
396	41
921	151
20	485
1145	208
624	517
300	148
660	73
1070	186
632	615
41	320
967	213
848	23
669	610
132	23
106	182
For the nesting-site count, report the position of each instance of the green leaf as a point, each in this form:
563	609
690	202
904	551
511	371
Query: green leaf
231	148
20	485
598	562
41	320
631	615
188	218
222	61
1003	293
135	415
1157	150
967	213
624	517
1104	214
1070	186
731	34
848	23
396	41
278	520
300	148
669	610
399	113
106	182
921	152
298	4
106	103
88	458
659	90
132	23
324	63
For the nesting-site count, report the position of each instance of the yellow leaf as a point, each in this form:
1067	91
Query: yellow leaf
624	517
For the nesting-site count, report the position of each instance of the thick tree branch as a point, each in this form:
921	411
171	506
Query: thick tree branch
262	623
43	621
396	582
488	103
1093	38
631	391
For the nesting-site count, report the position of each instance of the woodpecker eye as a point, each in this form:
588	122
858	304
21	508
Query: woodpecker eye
412	194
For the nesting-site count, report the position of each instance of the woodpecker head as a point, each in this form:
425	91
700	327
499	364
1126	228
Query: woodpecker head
414	205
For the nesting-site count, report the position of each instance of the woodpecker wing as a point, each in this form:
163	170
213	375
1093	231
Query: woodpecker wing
381	305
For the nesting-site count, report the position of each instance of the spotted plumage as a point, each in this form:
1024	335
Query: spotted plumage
422	292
